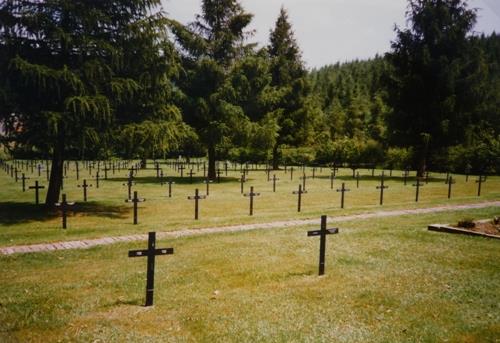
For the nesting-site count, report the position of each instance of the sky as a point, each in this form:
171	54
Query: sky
330	31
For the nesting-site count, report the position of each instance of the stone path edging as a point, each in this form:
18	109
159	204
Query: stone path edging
88	243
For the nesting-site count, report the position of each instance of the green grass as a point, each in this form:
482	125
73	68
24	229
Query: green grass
107	214
387	280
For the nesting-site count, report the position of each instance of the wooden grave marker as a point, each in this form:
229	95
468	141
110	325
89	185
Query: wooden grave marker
322	233
135	200
251	195
196	199
64	210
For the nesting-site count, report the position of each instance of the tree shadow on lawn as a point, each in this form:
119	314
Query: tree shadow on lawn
409	179
176	179
22	212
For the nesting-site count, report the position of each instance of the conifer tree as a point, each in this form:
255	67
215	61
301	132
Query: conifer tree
65	71
289	78
435	84
210	47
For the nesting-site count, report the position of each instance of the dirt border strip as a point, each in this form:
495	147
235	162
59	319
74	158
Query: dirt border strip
88	243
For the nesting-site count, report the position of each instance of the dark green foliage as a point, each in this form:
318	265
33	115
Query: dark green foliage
437	82
72	70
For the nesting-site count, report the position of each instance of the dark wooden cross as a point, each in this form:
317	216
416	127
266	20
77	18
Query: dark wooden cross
157	167
218	175
129	184
106	168
181	168
96	179
417	190
23	179
64	210
314	172
77	169
322	233
299	200
342	191
170	183
136	200
274	182
225	168
242	181
151	252
196	198
479	181
382	187
291	173
450	182
84	186
303	178
36	187
357	179
427	177
16	174
39	167
191	173
405	176
47	172
252	194
268	173
207	182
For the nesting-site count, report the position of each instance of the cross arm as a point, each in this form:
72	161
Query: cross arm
318	232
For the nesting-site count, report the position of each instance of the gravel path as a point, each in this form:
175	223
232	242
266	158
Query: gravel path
87	243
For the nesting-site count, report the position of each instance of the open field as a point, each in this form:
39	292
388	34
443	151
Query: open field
388	280
107	214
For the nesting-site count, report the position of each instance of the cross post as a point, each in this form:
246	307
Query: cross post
196	198
479	181
417	190
135	200
322	233
64	210
299	200
170	182
274	182
357	179
342	191
36	187
151	253
85	186
251	195
450	182
332	177
208	182
382	187
191	176
242	181
23	179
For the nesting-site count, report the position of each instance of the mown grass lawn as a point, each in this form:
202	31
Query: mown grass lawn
107	214
387	280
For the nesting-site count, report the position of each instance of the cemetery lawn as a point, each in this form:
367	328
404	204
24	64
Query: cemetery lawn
107	214
387	280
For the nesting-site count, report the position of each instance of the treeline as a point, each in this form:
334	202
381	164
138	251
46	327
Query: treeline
97	80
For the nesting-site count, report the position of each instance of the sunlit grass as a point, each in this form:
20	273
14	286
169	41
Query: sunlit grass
387	280
107	214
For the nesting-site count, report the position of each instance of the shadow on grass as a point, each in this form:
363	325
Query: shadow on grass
362	178
22	212
176	179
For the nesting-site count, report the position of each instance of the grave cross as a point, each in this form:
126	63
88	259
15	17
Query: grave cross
151	252
39	168
382	187
181	168
332	177
291	173
314	172
135	200
405	176
36	187
129	185
170	182
64	209
191	176
450	182
84	186
218	175
106	168
479	181
251	195
96	179
207	182
16	173
77	169
23	179
417	190
299	200
357	179
303	178
268	173
157	167
196	198
322	233
274	182
342	190
447	177
242	181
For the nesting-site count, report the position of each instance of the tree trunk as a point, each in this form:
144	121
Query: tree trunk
56	173
276	160
211	162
